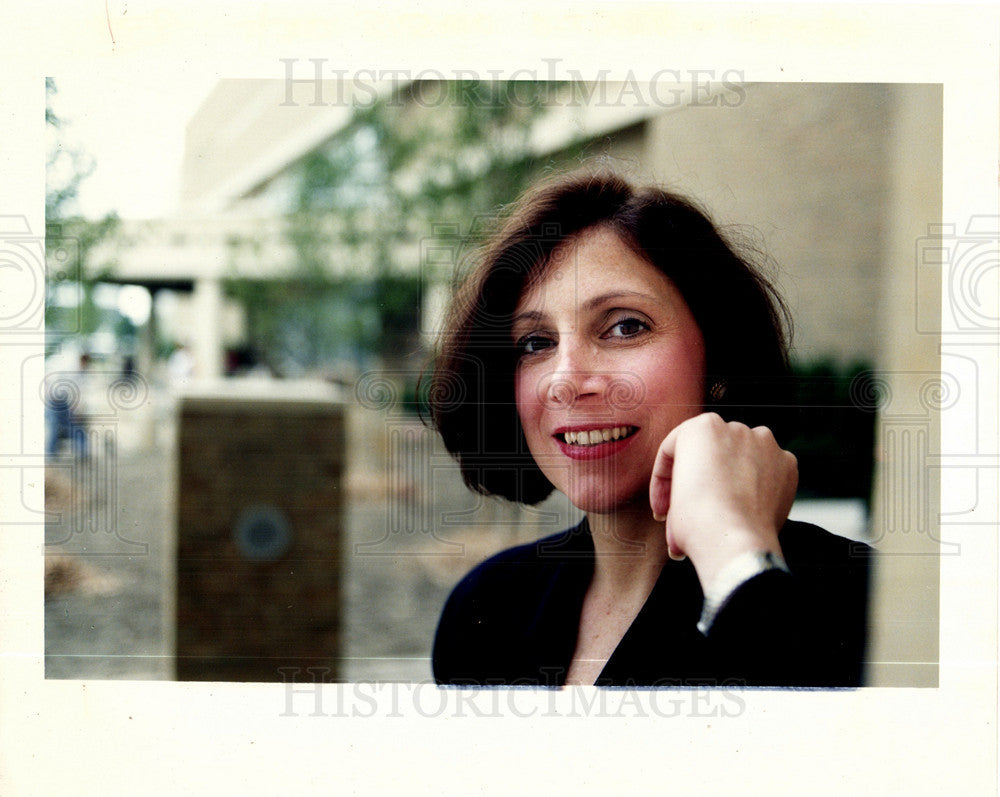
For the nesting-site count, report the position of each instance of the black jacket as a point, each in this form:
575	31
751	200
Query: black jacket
513	620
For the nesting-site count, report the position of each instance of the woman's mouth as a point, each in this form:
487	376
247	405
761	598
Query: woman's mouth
594	437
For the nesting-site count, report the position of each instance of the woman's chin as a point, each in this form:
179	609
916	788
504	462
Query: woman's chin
605	503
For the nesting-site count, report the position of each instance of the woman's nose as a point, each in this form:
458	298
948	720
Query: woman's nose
580	374
577	374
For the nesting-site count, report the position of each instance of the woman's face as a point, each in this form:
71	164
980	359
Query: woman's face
610	360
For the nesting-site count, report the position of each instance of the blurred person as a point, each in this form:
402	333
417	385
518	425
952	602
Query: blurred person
65	403
129	372
611	344
180	366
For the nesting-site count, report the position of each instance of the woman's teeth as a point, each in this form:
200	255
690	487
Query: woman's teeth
595	436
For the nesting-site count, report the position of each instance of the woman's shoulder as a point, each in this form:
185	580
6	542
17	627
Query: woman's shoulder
531	560
806	543
492	614
831	566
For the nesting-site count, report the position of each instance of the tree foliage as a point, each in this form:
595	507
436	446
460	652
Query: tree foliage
69	237
834	421
425	157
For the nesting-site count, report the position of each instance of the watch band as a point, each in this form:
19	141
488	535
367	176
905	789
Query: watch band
732	577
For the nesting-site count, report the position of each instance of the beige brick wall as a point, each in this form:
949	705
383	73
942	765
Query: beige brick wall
803	170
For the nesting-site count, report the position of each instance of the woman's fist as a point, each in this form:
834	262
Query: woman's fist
723	488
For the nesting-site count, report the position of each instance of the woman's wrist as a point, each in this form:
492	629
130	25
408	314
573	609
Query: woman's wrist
712	553
731	577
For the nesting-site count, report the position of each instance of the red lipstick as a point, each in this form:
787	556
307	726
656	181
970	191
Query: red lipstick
594	450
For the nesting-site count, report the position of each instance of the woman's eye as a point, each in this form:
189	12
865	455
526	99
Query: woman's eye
627	328
532	344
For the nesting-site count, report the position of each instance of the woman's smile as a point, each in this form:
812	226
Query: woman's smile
603	374
595	443
592	437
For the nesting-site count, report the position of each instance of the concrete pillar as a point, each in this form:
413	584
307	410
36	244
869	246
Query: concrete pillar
145	354
145	364
904	648
206	334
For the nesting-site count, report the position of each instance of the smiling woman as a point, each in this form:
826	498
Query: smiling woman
610	344
576	339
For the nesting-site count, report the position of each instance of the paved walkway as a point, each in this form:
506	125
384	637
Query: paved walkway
411	531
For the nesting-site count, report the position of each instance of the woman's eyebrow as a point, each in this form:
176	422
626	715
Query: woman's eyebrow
527	315
590	304
611	296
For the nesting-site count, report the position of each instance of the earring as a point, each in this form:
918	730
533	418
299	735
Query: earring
718	390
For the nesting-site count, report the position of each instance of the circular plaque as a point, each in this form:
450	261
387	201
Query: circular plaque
263	533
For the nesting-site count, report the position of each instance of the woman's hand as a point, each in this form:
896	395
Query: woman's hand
724	489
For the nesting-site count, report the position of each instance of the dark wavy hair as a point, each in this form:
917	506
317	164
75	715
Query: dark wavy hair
742	319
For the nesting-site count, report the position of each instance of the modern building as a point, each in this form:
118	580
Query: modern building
838	184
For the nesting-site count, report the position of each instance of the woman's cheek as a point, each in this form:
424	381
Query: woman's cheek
523	395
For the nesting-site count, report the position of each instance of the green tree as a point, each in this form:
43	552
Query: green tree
70	238
362	203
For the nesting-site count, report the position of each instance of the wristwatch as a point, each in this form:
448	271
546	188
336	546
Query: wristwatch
732	577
